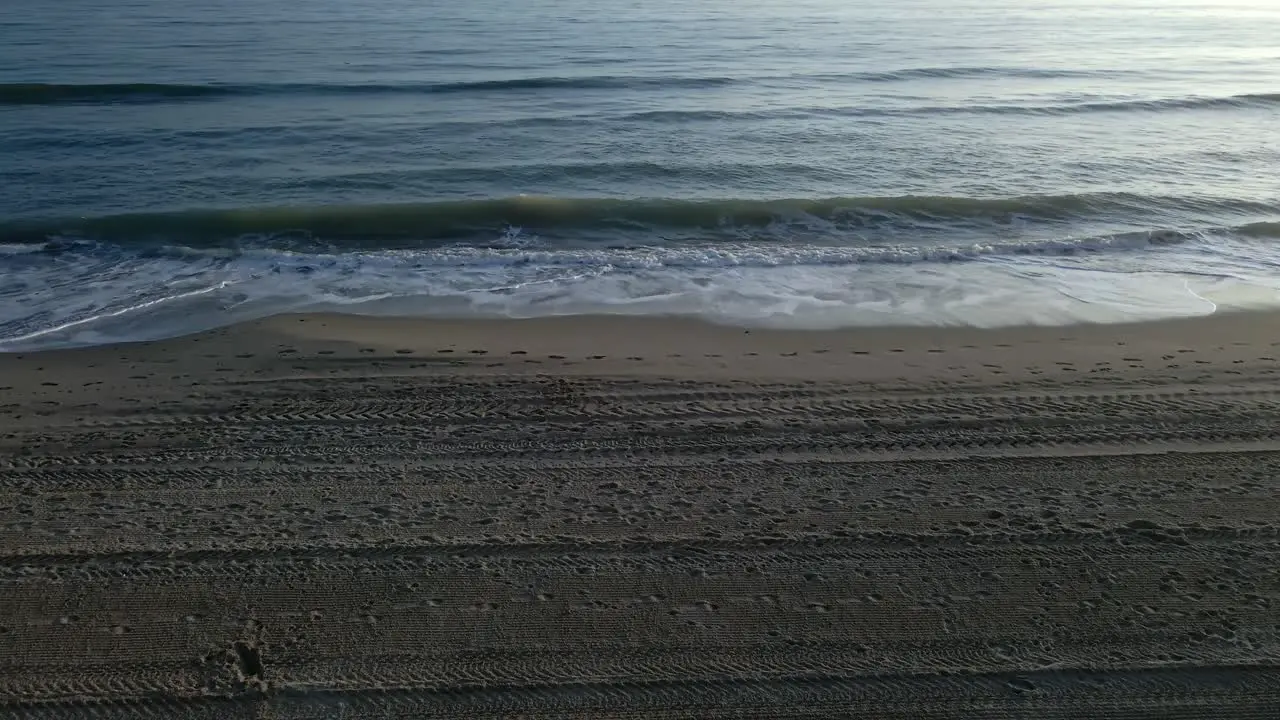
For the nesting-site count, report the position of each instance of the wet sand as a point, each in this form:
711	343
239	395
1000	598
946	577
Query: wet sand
331	516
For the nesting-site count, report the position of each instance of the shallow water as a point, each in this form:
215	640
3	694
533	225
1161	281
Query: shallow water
169	167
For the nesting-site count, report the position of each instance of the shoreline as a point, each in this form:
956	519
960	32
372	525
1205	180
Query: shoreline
646	345
587	517
281	322
815	296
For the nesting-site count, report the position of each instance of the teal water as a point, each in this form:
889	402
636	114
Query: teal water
172	166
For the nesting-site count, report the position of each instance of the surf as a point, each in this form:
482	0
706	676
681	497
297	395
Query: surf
42	93
408	225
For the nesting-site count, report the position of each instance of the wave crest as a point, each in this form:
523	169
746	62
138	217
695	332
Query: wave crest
60	93
421	224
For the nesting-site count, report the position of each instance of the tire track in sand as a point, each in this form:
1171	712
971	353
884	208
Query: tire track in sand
497	547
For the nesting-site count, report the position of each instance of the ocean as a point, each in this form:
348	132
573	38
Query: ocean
168	166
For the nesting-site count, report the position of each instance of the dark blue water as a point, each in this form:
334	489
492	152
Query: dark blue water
168	166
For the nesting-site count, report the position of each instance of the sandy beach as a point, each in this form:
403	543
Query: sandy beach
334	516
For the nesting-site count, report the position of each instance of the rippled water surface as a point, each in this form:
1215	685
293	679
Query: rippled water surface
167	165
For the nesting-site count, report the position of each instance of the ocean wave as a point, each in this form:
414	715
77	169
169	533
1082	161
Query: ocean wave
422	224
143	93
55	93
1183	103
968	72
51	94
96	292
1255	100
1260	230
764	255
707	256
60	93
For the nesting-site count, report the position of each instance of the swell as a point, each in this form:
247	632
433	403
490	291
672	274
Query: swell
419	224
144	93
52	94
61	93
1254	100
1260	230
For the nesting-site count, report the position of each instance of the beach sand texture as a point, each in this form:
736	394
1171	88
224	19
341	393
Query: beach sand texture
331	516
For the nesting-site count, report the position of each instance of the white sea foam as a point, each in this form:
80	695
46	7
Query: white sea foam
101	293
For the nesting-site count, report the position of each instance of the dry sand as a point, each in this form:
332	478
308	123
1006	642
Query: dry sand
326	516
